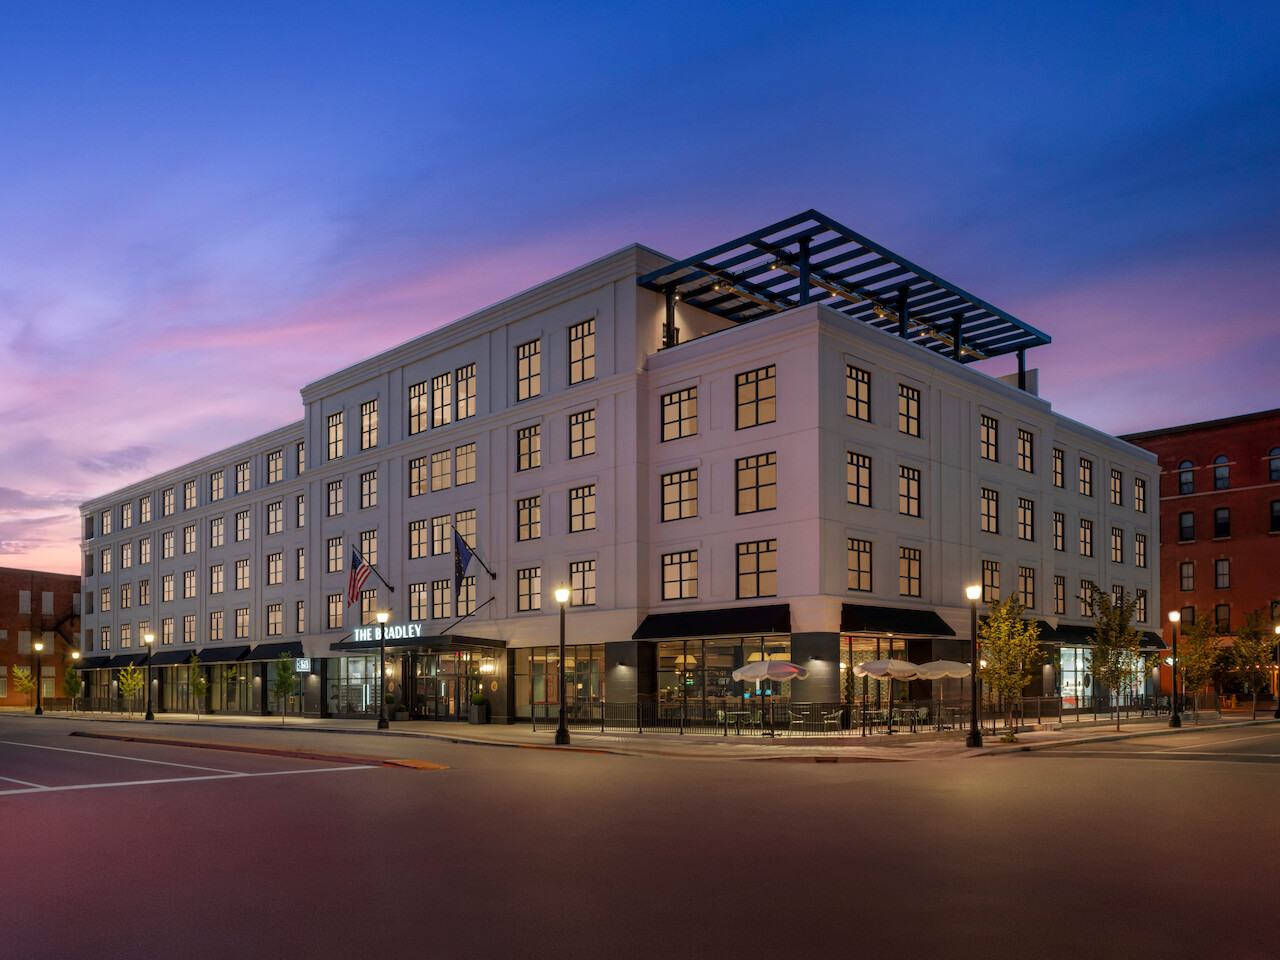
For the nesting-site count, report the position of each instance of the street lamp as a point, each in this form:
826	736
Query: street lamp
148	640
383	617
38	647
562	731
1277	714
1174	719
975	735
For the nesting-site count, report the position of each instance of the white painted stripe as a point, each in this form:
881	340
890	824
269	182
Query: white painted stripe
1215	743
144	783
114	756
23	782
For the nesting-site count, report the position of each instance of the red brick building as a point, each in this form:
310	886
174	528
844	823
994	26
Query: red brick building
1219	517
37	607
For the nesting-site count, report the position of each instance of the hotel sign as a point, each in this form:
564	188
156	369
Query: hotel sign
393	631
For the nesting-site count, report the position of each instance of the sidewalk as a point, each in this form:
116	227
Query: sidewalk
852	749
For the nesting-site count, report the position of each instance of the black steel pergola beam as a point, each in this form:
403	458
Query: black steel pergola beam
812	258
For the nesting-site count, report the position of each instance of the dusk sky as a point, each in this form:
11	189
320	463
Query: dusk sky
205	207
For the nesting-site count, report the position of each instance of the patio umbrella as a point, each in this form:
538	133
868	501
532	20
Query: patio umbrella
759	670
887	669
938	669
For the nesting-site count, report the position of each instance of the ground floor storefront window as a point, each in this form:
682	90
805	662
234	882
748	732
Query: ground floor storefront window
231	687
538	677
352	687
699	673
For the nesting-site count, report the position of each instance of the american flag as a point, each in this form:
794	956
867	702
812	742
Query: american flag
359	574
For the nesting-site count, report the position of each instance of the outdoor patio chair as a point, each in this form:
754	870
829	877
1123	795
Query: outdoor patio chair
726	721
797	719
832	721
755	720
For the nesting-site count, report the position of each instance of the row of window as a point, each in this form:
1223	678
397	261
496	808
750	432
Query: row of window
1222	615
1221	574
1222	522
1222	472
190	493
990	523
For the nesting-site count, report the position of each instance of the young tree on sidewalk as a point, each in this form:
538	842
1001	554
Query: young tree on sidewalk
197	683
71	686
1199	656
25	682
1010	644
1251	654
1115	659
130	680
282	683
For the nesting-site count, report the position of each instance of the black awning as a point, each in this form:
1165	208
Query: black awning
271	651
729	622
125	660
1152	641
448	641
167	658
223	654
898	621
92	663
1070	634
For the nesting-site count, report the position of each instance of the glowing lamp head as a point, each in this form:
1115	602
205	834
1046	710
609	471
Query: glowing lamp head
383	616
1174	616
148	637
75	654
38	646
562	594
973	593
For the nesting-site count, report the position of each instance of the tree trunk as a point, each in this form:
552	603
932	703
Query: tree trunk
1255	704
1116	706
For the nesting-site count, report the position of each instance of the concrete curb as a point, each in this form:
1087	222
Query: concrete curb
1074	742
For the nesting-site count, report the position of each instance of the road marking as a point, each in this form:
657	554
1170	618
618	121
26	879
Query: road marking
112	756
1216	743
23	782
145	783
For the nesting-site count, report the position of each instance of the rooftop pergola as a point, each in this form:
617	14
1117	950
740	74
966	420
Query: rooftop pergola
810	258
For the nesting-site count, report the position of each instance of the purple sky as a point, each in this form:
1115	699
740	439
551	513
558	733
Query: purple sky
207	206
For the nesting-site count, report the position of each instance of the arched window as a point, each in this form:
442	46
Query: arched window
1221	474
1275	464
1185	483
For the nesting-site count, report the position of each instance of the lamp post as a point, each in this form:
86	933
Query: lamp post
148	640
38	646
1277	714
1174	719
562	731
383	617
975	735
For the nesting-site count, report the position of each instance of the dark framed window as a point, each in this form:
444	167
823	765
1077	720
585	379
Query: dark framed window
1222	574
990	581
1273	471
680	414
909	571
758	569
857	388
1026	519
990	510
680	575
1187	615
1186	478
582	508
1139	550
680	495
529	518
1059	468
1059	531
757	483
582	584
529	447
466	381
582	351
1275	516
908	491
1027	586
1139	495
1060	595
529	370
1221	522
1222	617
908	411
1086	477
1026	451
1117	488
1221	474
1117	545
335	435
368	424
1086	538
582	433
529	588
989	438
756	392
860	565
858	478
1186	525
419	411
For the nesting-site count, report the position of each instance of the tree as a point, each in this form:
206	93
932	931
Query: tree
1251	654
197	683
130	680
1010	644
283	682
1199	656
72	685
1115	658
24	681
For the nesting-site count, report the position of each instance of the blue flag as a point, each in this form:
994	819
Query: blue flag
461	558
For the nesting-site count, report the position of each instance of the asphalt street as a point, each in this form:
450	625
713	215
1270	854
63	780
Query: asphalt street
1134	849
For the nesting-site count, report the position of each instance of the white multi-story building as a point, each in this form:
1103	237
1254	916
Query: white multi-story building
721	461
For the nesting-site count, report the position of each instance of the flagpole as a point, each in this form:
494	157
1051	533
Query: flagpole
374	570
471	614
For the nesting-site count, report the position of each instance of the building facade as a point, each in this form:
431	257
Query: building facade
37	608
1220	508
719	468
